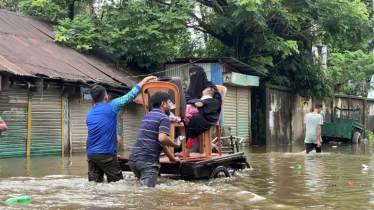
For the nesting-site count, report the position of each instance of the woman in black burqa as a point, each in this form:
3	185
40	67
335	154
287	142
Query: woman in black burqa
209	110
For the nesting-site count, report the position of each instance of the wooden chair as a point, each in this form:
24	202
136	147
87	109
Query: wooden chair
153	87
206	137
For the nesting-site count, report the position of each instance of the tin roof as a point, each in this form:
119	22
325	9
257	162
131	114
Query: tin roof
233	63
27	48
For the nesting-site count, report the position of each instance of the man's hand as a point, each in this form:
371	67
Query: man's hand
199	104
3	127
145	80
169	155
178	142
318	144
174	159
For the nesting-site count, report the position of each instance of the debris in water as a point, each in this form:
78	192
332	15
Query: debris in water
22	199
334	146
298	166
351	182
364	167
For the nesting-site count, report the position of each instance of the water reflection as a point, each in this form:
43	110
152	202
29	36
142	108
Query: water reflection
314	171
275	182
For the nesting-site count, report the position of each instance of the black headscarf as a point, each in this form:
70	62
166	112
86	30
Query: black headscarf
198	82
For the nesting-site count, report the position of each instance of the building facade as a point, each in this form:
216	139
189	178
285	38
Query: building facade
43	95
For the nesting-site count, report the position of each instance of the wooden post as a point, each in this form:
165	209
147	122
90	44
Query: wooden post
201	144
219	140
29	113
62	126
208	142
172	136
364	116
184	151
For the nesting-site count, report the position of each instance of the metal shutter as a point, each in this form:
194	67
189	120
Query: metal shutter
13	110
78	127
229	109
46	122
132	115
243	112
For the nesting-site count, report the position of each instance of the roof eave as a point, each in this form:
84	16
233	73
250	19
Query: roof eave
232	62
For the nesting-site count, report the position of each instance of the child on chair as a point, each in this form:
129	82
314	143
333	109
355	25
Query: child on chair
191	110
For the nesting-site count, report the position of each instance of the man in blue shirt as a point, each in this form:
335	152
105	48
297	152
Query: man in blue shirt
153	138
101	122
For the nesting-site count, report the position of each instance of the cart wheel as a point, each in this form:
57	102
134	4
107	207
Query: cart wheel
356	137
218	172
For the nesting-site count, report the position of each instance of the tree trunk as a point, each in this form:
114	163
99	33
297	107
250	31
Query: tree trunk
71	11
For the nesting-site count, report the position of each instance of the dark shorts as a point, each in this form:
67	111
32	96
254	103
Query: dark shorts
147	172
310	146
100	164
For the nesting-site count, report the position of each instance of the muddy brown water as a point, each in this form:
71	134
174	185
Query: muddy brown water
274	182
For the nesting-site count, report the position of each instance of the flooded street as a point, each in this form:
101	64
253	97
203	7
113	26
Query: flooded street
322	181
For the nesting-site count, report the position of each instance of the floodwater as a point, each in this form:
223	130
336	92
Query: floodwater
334	179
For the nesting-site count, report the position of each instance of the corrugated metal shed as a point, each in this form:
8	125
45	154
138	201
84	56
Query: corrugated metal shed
216	75
27	48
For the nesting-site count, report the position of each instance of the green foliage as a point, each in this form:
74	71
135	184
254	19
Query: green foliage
302	74
45	9
79	33
370	137
134	33
11	5
346	28
350	72
276	36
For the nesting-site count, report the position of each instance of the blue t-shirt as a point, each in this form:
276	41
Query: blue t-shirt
101	122
147	147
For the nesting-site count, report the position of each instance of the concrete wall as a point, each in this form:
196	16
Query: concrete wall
285	112
279	112
300	109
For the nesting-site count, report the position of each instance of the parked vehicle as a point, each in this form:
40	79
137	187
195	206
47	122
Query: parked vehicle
346	126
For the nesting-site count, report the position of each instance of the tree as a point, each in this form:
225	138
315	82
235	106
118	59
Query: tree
11	5
136	32
274	36
45	9
350	72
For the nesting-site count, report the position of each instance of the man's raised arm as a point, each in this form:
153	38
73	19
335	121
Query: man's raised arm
118	103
